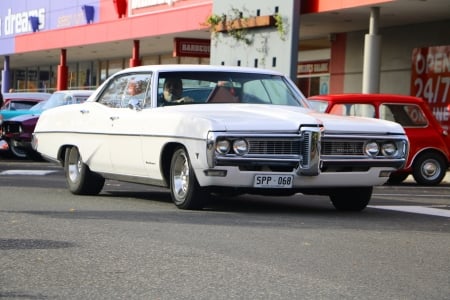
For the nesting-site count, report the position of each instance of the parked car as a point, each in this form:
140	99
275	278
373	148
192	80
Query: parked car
429	155
17	131
16	104
252	133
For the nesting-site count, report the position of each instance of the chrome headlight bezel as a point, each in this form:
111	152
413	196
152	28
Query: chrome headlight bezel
240	147
389	149
371	149
223	146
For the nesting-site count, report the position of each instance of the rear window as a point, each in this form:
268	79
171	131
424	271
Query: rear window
319	105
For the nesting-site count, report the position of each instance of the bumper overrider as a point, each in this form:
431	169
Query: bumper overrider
308	152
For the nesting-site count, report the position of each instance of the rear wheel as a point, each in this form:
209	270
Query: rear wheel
184	188
429	169
351	199
80	180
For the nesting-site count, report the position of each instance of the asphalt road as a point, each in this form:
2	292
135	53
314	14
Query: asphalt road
131	242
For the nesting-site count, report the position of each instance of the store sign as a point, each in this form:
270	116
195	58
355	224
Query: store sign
191	47
313	67
145	3
431	79
15	22
140	7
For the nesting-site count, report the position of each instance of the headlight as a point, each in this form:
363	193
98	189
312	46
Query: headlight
240	147
389	149
371	148
223	146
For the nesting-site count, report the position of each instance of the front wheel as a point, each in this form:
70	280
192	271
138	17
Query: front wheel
397	178
17	151
80	179
184	188
351	199
429	169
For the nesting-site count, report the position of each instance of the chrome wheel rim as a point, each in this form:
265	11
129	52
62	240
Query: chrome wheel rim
74	166
430	169
180	177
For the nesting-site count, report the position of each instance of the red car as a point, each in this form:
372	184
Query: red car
429	154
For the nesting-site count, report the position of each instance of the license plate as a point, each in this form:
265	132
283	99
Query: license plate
273	181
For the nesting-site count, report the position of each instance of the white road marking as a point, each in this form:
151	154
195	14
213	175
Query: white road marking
415	209
407	195
27	172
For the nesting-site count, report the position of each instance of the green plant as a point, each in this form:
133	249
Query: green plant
279	24
236	25
229	26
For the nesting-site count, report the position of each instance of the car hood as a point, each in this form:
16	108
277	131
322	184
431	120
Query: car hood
9	114
23	118
281	118
249	117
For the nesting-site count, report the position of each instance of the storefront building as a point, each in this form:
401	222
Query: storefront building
49	45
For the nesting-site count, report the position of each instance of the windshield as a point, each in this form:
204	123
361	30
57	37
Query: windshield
38	106
233	87
319	105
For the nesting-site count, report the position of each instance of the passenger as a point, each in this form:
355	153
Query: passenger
134	88
135	94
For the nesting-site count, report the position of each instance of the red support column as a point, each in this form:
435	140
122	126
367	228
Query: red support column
61	81
134	60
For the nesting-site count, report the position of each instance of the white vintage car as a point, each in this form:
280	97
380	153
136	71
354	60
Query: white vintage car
226	130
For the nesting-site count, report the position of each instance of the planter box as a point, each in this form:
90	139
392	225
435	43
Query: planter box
246	23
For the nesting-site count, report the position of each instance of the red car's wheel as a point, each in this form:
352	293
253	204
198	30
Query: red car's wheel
429	169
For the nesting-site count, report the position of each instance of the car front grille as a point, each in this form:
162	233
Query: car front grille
344	148
11	128
275	147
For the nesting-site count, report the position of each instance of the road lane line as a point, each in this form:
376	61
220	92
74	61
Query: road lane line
27	172
409	195
415	209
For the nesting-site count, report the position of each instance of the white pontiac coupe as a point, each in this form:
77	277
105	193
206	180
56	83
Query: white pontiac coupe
200	130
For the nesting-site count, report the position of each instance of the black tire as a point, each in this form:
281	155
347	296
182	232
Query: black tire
397	178
17	152
429	169
184	188
351	199
80	180
33	155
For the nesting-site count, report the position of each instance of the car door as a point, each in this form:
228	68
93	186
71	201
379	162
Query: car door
125	122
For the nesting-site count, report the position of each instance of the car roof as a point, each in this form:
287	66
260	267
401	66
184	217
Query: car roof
27	95
206	68
359	97
74	92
